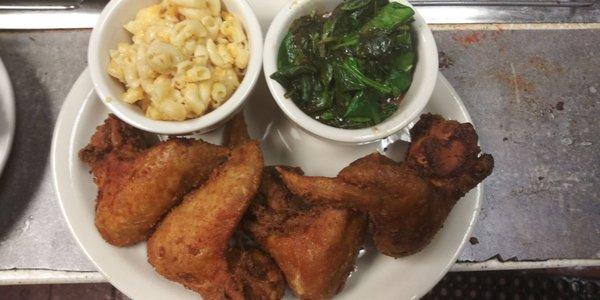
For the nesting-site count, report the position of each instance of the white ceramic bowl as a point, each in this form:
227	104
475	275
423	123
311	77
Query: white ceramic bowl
414	101
109	31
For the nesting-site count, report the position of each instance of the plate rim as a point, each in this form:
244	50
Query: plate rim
7	97
63	137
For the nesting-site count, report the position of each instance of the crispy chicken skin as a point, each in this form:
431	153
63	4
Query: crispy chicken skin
258	273
236	132
409	210
315	247
273	285
112	148
404	211
137	185
191	245
446	152
407	202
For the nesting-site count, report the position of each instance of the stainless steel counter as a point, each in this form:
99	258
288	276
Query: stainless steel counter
534	96
83	13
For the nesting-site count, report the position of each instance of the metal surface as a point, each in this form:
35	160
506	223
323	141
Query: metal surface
535	98
542	201
43	65
32	276
53	15
36	276
38	5
509	14
495	265
503	3
84	15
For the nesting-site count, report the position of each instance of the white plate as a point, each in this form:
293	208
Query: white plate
7	116
378	276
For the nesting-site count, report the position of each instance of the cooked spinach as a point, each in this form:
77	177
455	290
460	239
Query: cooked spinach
352	78
351	67
389	17
352	5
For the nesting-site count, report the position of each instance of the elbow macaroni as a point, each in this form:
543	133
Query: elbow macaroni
186	58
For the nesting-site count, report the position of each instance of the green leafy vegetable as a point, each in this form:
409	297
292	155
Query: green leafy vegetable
306	89
326	116
325	100
375	46
403	39
283	75
362	107
378	4
404	61
326	73
349	68
360	120
352	5
289	54
328	27
399	82
351	74
346	41
388	17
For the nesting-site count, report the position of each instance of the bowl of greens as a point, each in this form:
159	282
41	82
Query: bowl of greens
350	71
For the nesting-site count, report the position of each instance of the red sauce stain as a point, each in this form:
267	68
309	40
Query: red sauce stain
516	81
497	33
546	67
520	83
468	39
472	38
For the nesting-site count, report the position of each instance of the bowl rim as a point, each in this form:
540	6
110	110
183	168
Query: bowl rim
199	124
426	45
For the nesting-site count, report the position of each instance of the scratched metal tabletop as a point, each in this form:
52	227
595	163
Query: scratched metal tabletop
534	96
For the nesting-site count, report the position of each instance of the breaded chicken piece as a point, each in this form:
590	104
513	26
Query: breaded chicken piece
404	214
407	202
138	185
236	134
315	247
236	131
258	273
112	148
409	210
447	154
191	245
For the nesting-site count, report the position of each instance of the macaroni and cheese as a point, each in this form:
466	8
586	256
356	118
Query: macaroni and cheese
186	59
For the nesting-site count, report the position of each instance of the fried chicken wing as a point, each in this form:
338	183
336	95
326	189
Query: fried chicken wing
236	132
447	154
407	202
191	245
315	247
112	148
137	185
258	273
403	209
